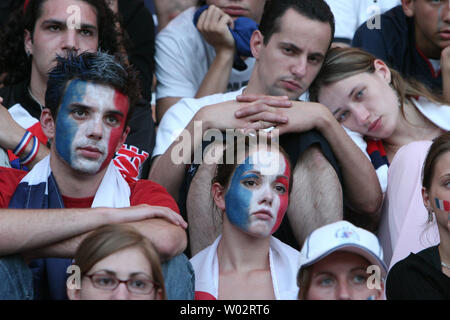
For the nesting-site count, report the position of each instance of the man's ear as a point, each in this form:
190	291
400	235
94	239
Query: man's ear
382	70
48	123
408	7
123	138
28	42
218	193
256	43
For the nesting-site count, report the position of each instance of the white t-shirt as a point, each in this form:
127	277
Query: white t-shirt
182	112
283	261
350	14
183	58
179	116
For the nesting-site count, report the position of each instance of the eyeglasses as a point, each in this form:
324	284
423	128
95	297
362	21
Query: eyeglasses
110	282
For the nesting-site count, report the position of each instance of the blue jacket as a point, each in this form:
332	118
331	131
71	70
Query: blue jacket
394	43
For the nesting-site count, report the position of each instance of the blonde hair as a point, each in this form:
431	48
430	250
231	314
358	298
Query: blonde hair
112	238
341	63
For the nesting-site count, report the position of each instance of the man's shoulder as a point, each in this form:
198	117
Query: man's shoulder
394	26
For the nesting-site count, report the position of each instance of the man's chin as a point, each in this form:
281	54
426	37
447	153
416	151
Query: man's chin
88	167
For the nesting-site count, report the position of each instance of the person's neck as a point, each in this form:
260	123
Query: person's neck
427	47
72	183
254	86
413	127
38	86
240	252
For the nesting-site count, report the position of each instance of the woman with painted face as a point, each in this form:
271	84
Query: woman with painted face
251	191
117	263
426	275
388	117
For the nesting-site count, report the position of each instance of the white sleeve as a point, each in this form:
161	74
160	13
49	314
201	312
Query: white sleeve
171	125
346	16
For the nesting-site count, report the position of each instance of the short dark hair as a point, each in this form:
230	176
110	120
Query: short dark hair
275	9
99	68
13	59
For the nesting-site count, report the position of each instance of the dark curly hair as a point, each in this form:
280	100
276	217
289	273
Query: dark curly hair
100	68
13	59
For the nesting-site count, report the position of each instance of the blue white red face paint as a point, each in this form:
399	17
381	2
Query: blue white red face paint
443	205
89	125
257	197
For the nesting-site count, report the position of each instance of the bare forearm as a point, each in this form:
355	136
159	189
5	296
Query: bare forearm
169	240
361	185
27	230
168	169
218	75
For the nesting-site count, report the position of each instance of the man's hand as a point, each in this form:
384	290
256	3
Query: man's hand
144	211
213	25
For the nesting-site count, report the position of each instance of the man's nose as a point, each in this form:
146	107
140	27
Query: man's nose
298	69
95	128
70	40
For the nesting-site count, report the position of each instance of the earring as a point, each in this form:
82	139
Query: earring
28	53
430	215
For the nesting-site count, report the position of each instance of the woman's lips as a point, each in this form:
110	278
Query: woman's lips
263	215
374	126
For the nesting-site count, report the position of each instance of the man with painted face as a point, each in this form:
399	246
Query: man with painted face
39	31
246	261
88	101
289	48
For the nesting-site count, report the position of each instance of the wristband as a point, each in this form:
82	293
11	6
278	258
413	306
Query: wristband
34	151
23	143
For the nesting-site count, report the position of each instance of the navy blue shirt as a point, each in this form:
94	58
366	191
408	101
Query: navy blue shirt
394	43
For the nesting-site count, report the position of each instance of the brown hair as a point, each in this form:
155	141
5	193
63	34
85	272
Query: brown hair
440	146
341	63
225	168
112	238
303	282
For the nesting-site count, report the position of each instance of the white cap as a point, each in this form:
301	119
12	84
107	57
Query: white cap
342	236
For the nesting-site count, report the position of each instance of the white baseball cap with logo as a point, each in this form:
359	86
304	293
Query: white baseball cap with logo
342	236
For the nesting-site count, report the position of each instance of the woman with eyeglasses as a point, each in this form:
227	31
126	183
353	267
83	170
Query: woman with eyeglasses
117	263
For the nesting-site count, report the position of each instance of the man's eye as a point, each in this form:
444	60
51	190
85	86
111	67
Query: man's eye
78	113
112	120
86	32
54	28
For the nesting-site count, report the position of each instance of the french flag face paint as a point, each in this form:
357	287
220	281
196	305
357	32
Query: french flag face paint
257	198
89	125
443	205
